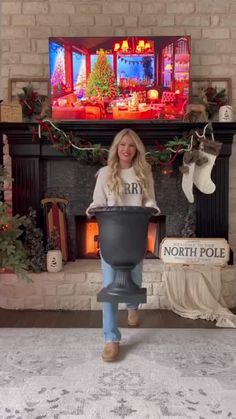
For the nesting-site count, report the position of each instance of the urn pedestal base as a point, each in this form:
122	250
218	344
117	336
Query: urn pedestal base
123	289
116	296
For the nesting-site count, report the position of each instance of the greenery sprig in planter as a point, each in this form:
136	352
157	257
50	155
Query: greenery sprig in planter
212	98
31	103
33	242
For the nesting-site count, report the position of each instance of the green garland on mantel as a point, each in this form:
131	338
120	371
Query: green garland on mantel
89	153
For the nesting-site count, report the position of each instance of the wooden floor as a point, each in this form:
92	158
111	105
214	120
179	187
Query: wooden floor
67	319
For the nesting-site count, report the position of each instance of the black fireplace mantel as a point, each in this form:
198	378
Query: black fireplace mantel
28	157
104	131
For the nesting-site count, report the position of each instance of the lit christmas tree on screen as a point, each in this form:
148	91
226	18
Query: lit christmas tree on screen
58	77
101	81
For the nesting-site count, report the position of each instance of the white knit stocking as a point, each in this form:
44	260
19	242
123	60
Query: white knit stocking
188	171
208	151
187	182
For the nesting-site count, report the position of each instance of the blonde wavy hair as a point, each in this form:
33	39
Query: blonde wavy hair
141	167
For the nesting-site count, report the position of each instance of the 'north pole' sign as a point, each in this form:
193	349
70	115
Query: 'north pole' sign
194	251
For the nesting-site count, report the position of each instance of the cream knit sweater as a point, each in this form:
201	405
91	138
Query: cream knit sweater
132	194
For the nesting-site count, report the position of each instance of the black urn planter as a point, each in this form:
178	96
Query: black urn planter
123	242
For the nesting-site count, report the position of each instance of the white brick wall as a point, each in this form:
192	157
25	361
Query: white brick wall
68	290
211	23
26	25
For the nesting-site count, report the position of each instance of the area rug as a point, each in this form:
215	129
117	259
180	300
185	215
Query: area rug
162	373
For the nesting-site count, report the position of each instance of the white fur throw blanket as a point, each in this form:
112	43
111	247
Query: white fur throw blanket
194	291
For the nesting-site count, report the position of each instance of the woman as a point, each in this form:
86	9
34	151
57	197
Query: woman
126	180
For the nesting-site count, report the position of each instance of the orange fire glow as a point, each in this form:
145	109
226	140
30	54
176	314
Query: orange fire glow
152	231
92	231
91	245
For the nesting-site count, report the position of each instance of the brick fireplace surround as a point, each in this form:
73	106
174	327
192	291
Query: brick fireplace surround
39	170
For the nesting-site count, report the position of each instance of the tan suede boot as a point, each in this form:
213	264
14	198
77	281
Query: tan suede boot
110	351
133	318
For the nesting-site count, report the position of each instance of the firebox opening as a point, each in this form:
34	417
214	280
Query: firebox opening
87	237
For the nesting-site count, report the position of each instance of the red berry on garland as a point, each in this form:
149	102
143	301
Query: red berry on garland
5	227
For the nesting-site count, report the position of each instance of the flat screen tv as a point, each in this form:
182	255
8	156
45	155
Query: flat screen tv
137	78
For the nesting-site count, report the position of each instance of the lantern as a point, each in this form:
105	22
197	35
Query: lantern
54	261
125	46
116	46
153	94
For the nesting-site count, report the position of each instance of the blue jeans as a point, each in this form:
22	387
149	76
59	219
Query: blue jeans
110	310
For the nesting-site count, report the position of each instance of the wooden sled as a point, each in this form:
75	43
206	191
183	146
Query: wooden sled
55	217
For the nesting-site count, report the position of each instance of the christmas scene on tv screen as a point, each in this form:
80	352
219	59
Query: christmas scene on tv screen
136	78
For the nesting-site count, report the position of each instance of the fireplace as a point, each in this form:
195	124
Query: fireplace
75	181
41	171
87	237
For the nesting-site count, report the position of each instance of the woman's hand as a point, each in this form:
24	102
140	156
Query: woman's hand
156	210
88	212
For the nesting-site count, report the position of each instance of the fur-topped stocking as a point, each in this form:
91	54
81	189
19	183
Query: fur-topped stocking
189	162
208	150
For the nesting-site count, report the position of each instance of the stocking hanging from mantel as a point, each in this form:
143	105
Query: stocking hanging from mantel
197	167
55	218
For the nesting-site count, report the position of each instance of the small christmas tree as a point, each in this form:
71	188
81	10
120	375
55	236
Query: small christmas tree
13	255
53	242
34	244
58	76
101	82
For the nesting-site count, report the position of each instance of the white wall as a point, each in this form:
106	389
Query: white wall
26	26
